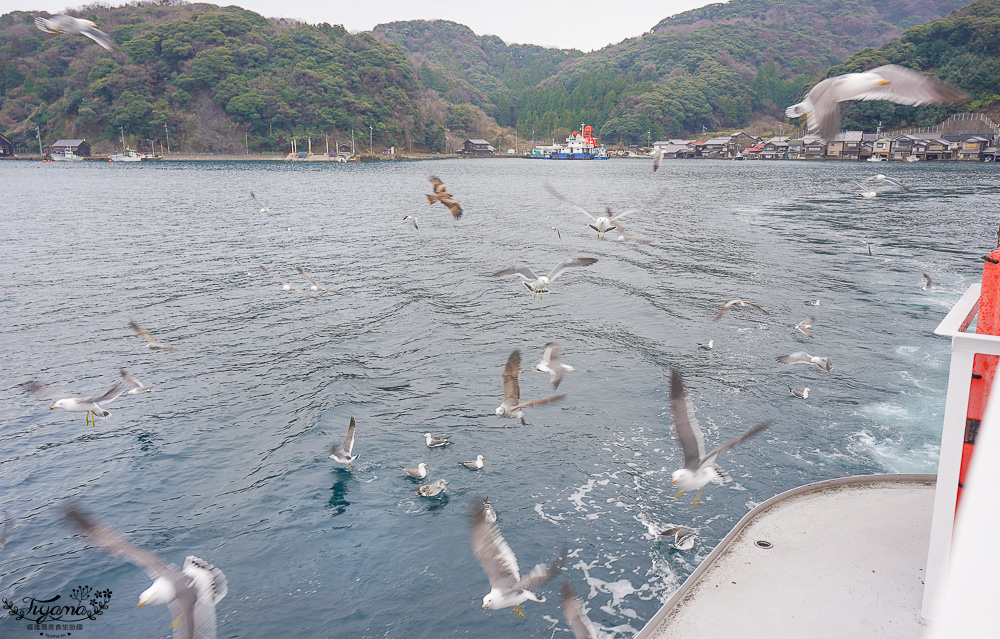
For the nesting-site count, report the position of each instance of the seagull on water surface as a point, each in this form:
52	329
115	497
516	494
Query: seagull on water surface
432	489
699	468
436	441
345	453
603	223
552	364
512	404
417	473
507	587
473	465
576	618
821	105
801	357
683	538
732	303
63	23
802	394
709	345
90	405
192	593
539	284
151	342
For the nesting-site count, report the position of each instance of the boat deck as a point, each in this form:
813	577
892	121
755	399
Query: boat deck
840	558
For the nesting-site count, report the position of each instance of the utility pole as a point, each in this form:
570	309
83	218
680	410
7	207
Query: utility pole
165	131
327	136
246	141
371	145
648	138
38	134
352	141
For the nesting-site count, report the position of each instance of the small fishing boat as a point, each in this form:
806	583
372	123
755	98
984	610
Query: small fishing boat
579	146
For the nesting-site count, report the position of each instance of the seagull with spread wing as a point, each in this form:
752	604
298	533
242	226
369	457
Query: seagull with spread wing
539	284
192	593
63	23
804	326
603	223
507	587
891	82
89	405
313	286
263	208
137	386
576	618
883	178
151	342
442	195
285	284
683	538
731	303
344	453
699	468
802	357
512	404
552	364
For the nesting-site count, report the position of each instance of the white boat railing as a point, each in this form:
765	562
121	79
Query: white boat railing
964	347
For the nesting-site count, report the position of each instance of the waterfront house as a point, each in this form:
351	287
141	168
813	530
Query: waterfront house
932	149
971	148
775	149
715	148
739	140
80	148
990	154
477	147
6	147
846	145
676	150
882	147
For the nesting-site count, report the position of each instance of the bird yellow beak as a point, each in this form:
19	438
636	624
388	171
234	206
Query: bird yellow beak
484	607
673	481
141	604
883	82
51	407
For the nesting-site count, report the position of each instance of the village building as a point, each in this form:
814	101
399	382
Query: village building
6	147
79	148
715	148
477	147
738	141
775	149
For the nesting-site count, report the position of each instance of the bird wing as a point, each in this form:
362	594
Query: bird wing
557	194
303	273
3	535
44	390
45	25
803	327
99	37
651	202
107	397
824	117
676	531
494	554
453	206
542	573
258	202
143	333
573	609
906	86
927	281
571	262
657	156
756	307
550	357
710	457
539	402
349	440
523	271
897	183
115	544
689	435
131	381
621	229
282	280
724	308
511	371
439	186
798	357
183	610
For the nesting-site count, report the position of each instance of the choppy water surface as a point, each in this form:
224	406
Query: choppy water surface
227	458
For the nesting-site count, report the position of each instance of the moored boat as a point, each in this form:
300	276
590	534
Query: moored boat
579	146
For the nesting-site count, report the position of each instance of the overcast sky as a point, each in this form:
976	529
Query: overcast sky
579	24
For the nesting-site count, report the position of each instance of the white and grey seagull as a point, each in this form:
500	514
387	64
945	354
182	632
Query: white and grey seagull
732	303
699	468
891	82
552	364
263	208
804	326
313	286
412	219
151	342
436	441
490	514
137	386
285	284
802	394
927	282
539	284
417	473
344	453
882	178
507	587
63	23
90	405
432	489
709	345
512	404
601	223
576	618
657	156
473	465
802	357
192	593
683	538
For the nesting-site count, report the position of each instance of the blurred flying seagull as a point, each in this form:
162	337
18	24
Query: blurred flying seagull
263	209
699	468
868	245
473	465
436	441
63	23
192	593
552	364
821	105
604	223
683	538
285	284
802	394
804	326
412	219
512	404
576	619
864	190
151	342
927	282
813	302
432	489
441	195
657	156
507	587
313	286
623	234
344	453
732	303
488	512
801	357
417	473
539	285
137	386
557	231
883	178
90	405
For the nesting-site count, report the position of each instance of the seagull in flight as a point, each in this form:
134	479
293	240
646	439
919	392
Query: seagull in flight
683	538
552	364
285	284
623	234
576	618
866	191
804	326
63	23
412	219
927	282
801	357
151	342
137	386
417	473
488	512
883	178
192	593
263	208
89	405
891	82
699	468
539	284
657	156
313	286
512	404
603	223
732	303
507	587
868	245
442	195
345	453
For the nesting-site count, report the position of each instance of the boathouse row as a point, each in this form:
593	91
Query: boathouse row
477	147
